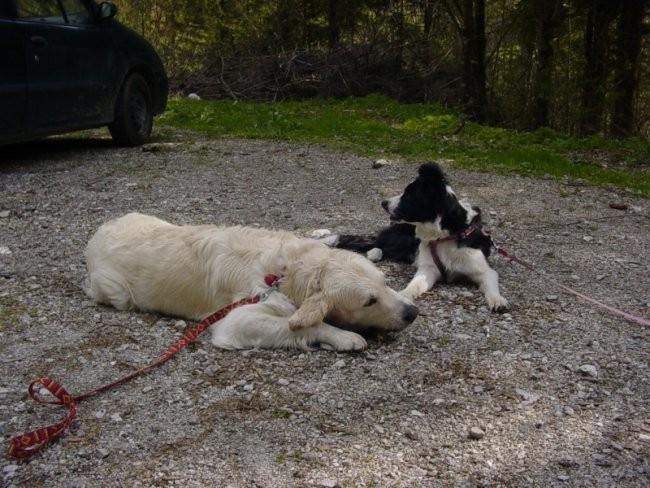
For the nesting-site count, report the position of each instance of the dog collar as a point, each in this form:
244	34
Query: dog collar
461	236
272	281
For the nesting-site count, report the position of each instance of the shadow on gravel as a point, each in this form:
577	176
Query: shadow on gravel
22	155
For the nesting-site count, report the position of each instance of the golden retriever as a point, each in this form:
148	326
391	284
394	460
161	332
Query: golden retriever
139	261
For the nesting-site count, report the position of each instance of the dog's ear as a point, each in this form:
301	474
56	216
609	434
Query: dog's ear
312	312
315	306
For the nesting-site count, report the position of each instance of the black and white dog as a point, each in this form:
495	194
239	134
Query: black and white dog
441	234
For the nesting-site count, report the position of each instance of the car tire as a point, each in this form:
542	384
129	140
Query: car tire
133	116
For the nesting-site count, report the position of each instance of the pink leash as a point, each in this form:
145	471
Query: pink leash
616	311
479	228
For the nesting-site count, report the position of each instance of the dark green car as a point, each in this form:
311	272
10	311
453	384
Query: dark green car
67	65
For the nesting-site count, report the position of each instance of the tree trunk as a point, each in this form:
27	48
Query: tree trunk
548	19
332	25
600	15
628	46
427	15
284	27
469	18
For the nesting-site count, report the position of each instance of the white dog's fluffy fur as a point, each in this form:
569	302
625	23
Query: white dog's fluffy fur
139	261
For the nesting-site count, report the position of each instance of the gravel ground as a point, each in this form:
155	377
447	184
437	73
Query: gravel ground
553	393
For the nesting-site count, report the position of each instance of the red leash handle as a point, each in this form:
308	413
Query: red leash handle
30	442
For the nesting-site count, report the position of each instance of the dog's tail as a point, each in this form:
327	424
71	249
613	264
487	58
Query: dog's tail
360	244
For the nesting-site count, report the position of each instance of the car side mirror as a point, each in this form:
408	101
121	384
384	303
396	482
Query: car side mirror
107	10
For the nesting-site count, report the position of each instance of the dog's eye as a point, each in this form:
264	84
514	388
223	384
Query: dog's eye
371	301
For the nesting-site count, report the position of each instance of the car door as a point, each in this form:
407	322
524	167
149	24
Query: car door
13	74
70	64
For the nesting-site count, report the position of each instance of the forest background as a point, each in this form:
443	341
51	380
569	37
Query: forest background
580	67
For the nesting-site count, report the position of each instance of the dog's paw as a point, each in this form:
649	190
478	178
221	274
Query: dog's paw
375	254
409	294
498	304
345	340
417	287
330	241
320	233
295	324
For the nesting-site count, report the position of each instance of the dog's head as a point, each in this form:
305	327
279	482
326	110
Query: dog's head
430	199
345	289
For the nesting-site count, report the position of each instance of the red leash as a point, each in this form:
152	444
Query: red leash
30	442
598	303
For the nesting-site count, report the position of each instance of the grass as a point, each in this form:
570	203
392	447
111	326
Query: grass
280	413
11	311
281	457
380	127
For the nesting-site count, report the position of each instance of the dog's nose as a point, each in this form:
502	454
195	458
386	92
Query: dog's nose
409	313
384	204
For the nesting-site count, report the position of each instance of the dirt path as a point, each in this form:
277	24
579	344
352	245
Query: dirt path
559	391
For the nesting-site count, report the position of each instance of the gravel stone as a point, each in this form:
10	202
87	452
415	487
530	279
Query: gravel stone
329	483
198	425
380	163
588	370
526	396
103	453
476	433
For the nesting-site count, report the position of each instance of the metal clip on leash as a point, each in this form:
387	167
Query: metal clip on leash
273	282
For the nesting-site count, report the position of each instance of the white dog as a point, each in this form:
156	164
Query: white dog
138	261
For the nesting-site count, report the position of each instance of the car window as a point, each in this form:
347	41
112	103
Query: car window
74	11
40	10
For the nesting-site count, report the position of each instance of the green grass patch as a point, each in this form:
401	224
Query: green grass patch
381	127
280	413
11	311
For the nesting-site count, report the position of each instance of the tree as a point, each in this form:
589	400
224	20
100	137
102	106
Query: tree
468	17
629	32
599	17
574	65
547	16
333	31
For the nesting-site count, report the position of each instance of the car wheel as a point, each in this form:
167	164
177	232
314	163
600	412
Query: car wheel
133	115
